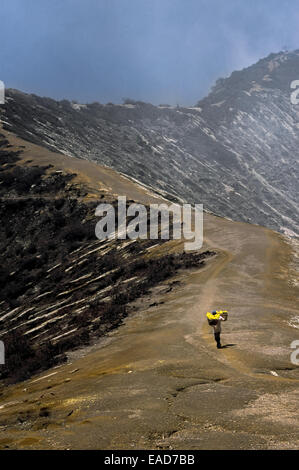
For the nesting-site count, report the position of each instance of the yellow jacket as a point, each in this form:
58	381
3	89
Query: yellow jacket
218	314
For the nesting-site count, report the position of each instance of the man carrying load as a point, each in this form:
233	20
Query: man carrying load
214	319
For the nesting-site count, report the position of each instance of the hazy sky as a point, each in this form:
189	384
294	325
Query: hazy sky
161	51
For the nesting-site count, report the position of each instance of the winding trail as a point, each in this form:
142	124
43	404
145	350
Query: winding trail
159	382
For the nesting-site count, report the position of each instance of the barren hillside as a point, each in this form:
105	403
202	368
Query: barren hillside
158	381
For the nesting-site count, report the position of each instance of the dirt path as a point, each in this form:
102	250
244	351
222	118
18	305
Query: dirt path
159	381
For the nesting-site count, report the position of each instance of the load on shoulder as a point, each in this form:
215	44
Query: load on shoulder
216	315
